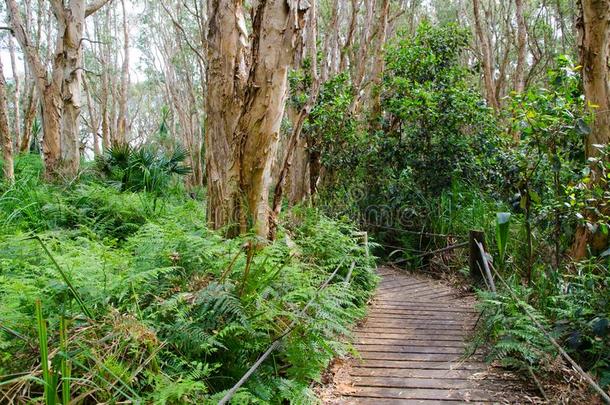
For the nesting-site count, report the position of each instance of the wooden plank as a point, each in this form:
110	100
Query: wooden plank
421	312
409	342
431	348
422	289
428	326
384	331
421	320
436	357
401	281
422	365
414	304
382	401
422	393
366	333
409	291
431	298
364	371
413	382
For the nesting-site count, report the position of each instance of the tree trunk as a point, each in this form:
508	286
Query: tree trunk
122	115
593	24
379	65
245	110
5	133
61	90
521	47
299	173
72	24
48	90
51	130
16	94
93	120
594	39
486	60
226	78
29	116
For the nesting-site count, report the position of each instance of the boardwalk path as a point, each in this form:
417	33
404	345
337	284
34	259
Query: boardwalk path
412	348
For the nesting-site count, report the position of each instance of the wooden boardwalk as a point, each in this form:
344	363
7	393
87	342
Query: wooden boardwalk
412	349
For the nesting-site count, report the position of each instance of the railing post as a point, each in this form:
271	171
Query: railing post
475	261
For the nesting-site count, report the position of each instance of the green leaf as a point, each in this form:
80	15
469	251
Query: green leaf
502	226
535	197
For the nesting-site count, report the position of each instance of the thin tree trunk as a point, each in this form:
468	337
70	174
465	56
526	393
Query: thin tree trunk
378	66
122	115
486	60
93	119
29	117
49	91
295	136
347	53
5	133
521	47
299	173
16	94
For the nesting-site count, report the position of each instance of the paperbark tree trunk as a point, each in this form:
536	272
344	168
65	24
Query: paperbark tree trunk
295	140
61	90
122	114
245	108
93	120
486	59
521	47
29	116
68	61
226	78
594	40
299	173
593	24
379	65
16	94
5	133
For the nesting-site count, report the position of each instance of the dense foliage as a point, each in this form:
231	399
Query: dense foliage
438	160
154	306
435	130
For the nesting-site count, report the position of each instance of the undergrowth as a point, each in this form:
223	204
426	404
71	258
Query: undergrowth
178	313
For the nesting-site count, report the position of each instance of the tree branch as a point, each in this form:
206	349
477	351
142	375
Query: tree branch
186	39
94	6
29	50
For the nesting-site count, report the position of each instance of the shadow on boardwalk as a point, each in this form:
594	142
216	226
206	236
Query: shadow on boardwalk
412	348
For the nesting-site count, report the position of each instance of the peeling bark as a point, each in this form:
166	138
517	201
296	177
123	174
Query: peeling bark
245	108
521	47
16	94
594	39
5	133
485	58
60	90
122	114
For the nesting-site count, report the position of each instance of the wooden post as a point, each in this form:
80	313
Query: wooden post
475	261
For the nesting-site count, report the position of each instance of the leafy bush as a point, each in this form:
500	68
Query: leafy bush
435	132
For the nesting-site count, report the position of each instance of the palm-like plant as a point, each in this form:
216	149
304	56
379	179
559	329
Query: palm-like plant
141	168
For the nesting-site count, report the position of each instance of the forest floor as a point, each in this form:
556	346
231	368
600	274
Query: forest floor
413	348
